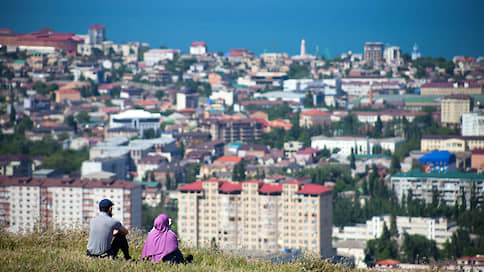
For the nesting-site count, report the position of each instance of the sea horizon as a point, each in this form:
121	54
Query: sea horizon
439	28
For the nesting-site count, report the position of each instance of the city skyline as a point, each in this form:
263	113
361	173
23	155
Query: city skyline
271	26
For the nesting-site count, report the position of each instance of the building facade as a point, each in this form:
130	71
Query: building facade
438	229
198	48
138	119
452	107
233	130
472	124
97	34
451	143
373	52
448	187
256	216
27	204
186	99
356	145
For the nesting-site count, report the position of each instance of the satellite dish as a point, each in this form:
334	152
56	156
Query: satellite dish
107	64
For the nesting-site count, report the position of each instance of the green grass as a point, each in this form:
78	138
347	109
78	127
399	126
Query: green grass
66	251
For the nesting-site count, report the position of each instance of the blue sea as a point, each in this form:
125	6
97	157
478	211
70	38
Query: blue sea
440	28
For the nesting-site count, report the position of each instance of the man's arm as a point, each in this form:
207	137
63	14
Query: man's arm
123	230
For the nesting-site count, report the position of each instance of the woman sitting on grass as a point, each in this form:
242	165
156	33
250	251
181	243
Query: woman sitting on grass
162	243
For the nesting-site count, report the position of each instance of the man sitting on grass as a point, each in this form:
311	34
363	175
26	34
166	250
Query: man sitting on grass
103	227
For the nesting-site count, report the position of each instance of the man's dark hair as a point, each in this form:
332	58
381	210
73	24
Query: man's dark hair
105	204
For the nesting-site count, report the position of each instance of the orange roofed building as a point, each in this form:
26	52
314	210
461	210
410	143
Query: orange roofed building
67	94
257	216
314	117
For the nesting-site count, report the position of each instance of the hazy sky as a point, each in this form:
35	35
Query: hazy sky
440	28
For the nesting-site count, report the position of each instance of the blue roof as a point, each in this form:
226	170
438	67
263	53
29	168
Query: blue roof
209	101
438	158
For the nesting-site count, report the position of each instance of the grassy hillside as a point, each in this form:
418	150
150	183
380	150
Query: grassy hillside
66	251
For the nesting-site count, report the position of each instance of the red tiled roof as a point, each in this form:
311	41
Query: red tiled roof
271	188
314	112
147	102
388	262
97	26
198	44
195	186
477	151
231	187
313	189
234	159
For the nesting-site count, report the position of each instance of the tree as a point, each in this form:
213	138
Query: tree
159	94
298	71
352	160
149	133
377	129
192	172
238	172
83	117
418	249
395	165
24	125
308	100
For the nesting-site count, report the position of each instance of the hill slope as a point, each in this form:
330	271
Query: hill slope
65	251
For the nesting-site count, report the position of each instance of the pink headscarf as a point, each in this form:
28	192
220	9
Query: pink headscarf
161	241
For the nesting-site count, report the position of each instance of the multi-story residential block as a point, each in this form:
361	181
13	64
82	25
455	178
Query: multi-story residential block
438	229
27	204
138	119
292	147
451	143
97	34
186	99
256	216
472	124
357	145
233	130
392	55
452	107
448	187
449	88
373	52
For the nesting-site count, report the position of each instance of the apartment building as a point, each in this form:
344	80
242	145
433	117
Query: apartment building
452	107
449	88
358	145
449	186
472	124
451	143
373	52
438	229
256	216
30	203
314	117
233	130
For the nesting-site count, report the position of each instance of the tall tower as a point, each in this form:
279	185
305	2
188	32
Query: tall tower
97	34
303	47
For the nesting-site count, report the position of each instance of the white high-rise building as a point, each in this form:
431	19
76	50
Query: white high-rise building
472	124
392	55
303	47
28	203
